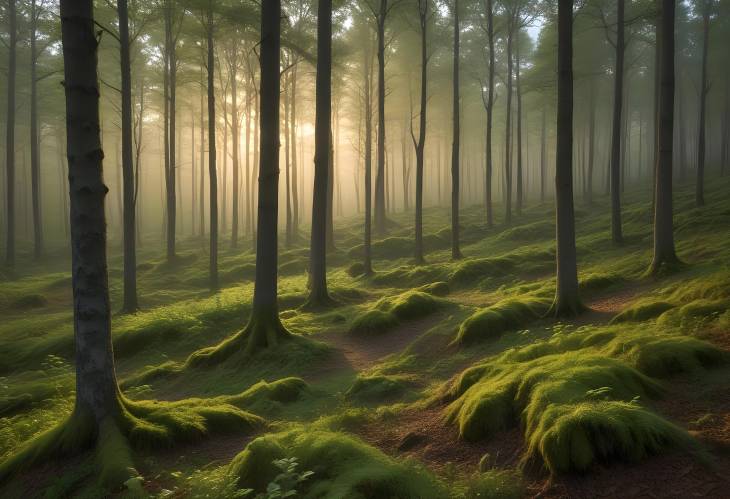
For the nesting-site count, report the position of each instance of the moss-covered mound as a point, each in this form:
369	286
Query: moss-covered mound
342	467
579	395
378	388
491	322
389	312
439	288
642	311
373	321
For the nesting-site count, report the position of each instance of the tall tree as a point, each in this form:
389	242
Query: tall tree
318	294
35	160
212	172
511	22
618	100
567	300
368	104
10	135
664	253
489	8
424	14
129	303
704	90
455	145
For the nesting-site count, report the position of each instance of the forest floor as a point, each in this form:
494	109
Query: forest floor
440	380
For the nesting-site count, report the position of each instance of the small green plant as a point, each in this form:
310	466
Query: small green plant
285	483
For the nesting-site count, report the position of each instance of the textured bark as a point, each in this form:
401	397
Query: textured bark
424	13
368	77
490	109
704	89
287	164
380	218
508	127
664	252
519	198
294	166
618	87
455	146
543	155
10	136
212	172
265	328
130	256
201	199
96	385
169	84
567	301
235	136
591	140
35	160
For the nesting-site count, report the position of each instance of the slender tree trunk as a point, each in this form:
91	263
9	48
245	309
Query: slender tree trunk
249	194
287	165
212	173
591	141
329	222
567	300
455	244
97	394
423	14
193	175
380	218
682	139
35	160
130	247
294	166
265	328
234	147
664	253
725	132
701	145
490	110
508	127
201	201
10	136
543	155
616	232
519	200
368	73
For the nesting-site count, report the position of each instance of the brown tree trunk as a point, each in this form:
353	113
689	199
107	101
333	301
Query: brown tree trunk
616	232
235	137
519	180
212	172
455	146
508	127
380	218
35	160
420	145
664	253
10	136
490	109
567	301
704	88
367	68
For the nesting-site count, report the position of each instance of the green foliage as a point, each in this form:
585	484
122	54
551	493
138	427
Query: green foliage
373	321
342	466
495	484
411	305
509	314
439	288
642	311
378	389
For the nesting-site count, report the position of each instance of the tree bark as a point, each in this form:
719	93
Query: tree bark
490	109
420	145
35	160
567	301
380	218
543	154
704	88
664	252
591	141
212	172
10	135
455	146
508	127
616	232
294	166
368	77
235	136
519	180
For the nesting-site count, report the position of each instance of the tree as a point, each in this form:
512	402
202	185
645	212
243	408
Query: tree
35	160
704	89
129	303
618	86
318	295
489	105
567	301
368	104
10	135
664	253
212	172
424	13
455	146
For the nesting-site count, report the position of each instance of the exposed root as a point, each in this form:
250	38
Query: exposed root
135	425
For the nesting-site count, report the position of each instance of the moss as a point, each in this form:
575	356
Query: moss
373	321
491	322
642	311
578	396
598	281
529	232
495	484
356	269
282	391
30	301
342	466
412	305
378	388
439	288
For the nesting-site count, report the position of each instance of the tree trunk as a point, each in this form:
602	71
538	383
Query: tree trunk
367	68
201	207
664	253
704	88
234	147
380	218
10	136
616	232
130	256
518	200
212	172
543	154
591	141
455	146
249	194
423	14
169	111
567	301
35	161
508	127
490	109
294	167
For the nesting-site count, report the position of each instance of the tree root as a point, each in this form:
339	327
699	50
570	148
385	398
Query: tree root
133	425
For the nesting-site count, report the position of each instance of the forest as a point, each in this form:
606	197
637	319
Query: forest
364	249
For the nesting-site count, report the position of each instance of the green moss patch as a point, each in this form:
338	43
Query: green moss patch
342	466
379	389
491	322
642	311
